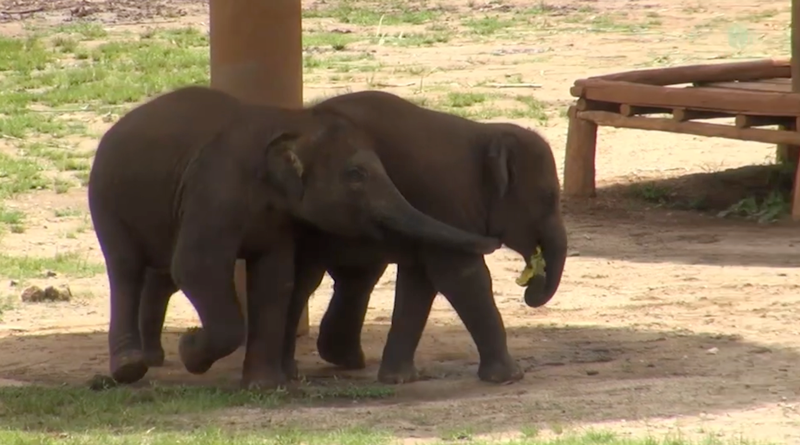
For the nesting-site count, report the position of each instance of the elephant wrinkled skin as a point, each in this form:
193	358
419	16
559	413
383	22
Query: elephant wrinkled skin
188	182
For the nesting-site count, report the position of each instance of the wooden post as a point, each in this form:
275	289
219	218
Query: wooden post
579	160
796	90
257	55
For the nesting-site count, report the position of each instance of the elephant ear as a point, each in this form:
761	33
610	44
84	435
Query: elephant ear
500	162
283	168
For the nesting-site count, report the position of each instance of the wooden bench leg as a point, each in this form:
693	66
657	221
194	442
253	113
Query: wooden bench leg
579	160
796	193
790	154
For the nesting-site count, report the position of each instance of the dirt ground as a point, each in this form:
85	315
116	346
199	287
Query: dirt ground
666	320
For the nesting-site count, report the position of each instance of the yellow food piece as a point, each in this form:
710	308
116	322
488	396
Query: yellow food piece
536	268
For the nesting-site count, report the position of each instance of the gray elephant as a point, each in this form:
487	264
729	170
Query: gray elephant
188	182
493	179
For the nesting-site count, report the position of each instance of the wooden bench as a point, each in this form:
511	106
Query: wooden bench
754	95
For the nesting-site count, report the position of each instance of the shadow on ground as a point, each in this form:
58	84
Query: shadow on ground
679	220
573	374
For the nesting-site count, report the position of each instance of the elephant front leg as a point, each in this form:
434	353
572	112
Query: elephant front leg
339	340
270	282
414	294
204	271
466	282
158	288
308	275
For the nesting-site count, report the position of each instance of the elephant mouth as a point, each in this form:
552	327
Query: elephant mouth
534	278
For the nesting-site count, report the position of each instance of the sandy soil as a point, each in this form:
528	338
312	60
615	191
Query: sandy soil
666	320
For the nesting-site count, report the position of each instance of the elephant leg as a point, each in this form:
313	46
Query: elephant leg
158	288
466	282
202	267
414	294
270	282
339	340
308	276
125	268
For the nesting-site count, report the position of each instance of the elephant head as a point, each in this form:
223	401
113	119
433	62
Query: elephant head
337	183
525	205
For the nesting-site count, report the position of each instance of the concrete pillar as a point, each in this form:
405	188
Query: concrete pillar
257	55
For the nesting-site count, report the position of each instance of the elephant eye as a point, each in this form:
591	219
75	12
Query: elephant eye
355	174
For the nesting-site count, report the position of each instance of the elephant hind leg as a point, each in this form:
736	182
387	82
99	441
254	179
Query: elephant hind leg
158	288
125	268
339	340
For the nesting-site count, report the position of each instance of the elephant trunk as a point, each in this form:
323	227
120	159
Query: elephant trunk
554	251
394	212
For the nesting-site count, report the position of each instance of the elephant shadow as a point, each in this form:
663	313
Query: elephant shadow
587	373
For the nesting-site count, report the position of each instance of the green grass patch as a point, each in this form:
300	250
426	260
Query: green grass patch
413	39
69	264
67	72
124	409
488	25
335	41
372	14
295	436
13	220
19	175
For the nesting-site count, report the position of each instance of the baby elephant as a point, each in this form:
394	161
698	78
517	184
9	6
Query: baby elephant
188	182
491	179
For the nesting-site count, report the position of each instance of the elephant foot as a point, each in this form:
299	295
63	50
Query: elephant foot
154	357
128	366
500	371
263	381
398	375
342	354
290	370
192	352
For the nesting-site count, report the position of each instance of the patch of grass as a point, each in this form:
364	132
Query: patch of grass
413	39
773	207
155	407
82	30
532	109
19	175
13	219
336	41
462	100
23	55
651	192
112	73
21	123
488	25
385	13
291	436
63	158
69	264
67	212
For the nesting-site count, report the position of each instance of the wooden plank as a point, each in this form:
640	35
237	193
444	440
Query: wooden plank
745	121
605	118
632	110
585	105
751	86
777	81
717	72
685	114
579	159
749	102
